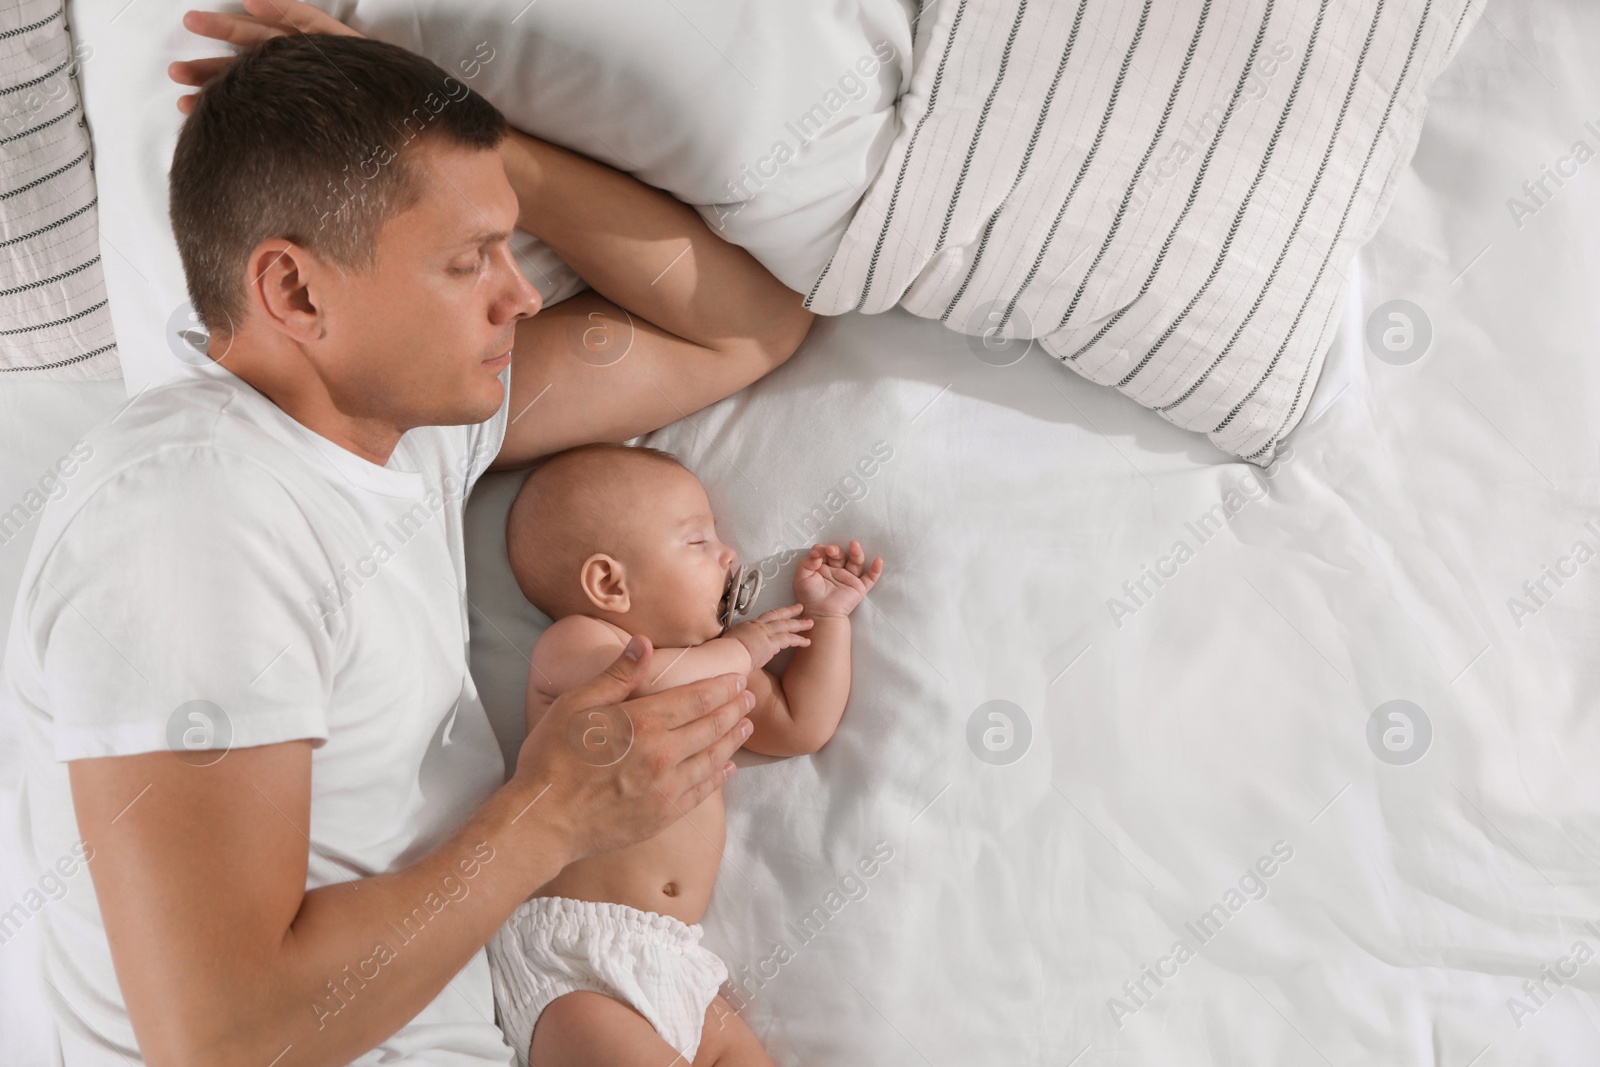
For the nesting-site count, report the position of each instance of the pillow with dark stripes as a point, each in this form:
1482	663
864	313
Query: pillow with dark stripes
1165	198
56	322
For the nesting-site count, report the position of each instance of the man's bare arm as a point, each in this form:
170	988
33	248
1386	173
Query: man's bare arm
224	957
703	319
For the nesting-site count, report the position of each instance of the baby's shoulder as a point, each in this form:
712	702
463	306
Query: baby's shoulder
572	650
582	629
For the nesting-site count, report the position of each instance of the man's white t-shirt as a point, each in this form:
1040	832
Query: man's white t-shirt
217	576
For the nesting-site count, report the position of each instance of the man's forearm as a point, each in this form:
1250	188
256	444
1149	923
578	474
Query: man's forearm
363	958
222	955
647	252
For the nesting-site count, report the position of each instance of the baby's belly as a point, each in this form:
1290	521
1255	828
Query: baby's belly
670	874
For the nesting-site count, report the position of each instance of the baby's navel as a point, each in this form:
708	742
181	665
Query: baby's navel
670	889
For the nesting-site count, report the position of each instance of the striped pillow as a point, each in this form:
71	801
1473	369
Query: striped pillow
1164	198
55	322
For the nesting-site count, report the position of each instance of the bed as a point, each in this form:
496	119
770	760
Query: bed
1157	756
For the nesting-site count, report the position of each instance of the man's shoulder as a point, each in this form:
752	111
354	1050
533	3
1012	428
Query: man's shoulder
178	451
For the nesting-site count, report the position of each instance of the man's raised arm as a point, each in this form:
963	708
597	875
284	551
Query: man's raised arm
678	319
223	956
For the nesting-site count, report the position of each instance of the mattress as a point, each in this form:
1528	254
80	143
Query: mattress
1339	746
1117	694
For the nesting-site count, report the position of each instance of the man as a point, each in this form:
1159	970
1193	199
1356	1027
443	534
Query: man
239	650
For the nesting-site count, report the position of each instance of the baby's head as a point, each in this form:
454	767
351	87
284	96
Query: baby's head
622	534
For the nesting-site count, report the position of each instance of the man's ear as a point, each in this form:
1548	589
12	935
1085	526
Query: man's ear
285	289
605	583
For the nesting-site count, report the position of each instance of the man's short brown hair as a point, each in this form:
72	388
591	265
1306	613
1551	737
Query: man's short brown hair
305	138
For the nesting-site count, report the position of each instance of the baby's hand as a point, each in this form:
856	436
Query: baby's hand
831	581
766	635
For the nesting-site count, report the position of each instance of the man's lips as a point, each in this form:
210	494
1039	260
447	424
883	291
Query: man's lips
503	359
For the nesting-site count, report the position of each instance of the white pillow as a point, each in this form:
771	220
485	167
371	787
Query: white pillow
707	99
684	95
1162	195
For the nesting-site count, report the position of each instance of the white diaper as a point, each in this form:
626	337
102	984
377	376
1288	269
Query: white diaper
552	946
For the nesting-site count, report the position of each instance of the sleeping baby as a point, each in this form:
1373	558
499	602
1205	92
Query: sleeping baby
611	542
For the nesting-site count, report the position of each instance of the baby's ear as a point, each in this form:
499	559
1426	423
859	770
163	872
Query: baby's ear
604	582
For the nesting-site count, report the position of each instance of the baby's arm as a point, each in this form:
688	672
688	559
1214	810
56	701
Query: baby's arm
798	715
576	648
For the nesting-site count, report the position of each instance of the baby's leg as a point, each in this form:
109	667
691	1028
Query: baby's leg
593	1030
727	1041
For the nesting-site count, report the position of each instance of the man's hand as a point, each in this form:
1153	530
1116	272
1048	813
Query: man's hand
222	953
263	19
767	635
831	581
617	773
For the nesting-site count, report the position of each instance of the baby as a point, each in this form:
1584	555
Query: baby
612	542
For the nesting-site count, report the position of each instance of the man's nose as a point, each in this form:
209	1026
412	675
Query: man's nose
521	299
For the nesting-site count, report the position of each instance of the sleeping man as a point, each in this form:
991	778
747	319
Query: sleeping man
239	649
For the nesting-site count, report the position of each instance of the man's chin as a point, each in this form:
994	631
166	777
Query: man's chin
477	403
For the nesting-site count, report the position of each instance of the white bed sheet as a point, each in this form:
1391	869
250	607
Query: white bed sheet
39	422
1226	714
1230	711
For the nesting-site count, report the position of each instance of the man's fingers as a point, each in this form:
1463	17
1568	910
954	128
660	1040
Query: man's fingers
240	30
618	681
265	19
694	737
703	772
688	704
692	797
197	72
300	16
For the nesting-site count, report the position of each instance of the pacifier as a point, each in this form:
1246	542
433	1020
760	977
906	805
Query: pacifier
744	582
